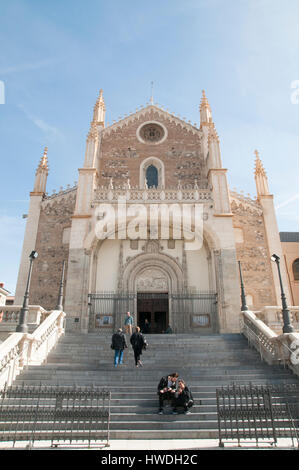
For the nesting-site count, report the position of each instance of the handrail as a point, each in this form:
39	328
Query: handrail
22	349
273	348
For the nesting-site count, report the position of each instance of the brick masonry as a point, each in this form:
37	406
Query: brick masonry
55	216
253	253
181	153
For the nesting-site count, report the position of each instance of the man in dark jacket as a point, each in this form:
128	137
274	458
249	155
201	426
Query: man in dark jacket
118	343
166	389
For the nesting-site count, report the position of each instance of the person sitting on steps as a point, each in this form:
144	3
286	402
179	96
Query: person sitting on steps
182	398
166	389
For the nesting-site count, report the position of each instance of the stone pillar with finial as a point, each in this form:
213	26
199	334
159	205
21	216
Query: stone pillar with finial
266	200
77	287
36	197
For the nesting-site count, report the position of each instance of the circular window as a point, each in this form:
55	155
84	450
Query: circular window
151	133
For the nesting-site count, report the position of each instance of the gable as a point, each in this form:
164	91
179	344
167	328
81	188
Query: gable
151	133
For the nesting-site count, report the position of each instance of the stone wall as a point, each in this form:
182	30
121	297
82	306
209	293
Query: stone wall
181	152
52	245
252	251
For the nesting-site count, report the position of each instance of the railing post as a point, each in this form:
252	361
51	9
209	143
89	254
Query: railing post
243	296
22	326
60	295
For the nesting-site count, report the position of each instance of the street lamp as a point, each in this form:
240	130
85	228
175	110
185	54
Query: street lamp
59	305
287	326
22	326
243	296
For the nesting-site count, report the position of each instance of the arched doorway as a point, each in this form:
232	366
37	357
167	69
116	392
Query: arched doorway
152	299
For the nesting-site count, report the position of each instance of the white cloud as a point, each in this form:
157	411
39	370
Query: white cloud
50	131
27	67
288	201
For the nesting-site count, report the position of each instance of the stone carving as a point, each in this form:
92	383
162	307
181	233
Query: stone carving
152	279
152	246
152	132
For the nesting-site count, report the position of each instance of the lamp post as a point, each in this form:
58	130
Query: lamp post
60	295
243	296
22	326
287	326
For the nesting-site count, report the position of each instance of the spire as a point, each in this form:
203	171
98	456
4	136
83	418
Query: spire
44	160
260	176
41	173
205	110
152	93
99	110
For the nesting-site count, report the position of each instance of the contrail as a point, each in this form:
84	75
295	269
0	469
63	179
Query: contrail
288	201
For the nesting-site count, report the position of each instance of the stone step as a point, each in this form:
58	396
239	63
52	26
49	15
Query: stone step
169	434
85	382
152	372
205	362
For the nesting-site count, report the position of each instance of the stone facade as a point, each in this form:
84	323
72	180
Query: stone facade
151	158
252	250
52	245
290	248
181	153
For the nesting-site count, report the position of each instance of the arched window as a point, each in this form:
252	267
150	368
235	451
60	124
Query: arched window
152	176
296	269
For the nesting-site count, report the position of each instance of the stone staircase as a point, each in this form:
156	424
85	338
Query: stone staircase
205	363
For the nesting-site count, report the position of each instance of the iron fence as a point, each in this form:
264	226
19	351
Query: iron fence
55	413
256	412
188	309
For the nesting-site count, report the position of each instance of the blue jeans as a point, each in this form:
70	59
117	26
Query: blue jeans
118	356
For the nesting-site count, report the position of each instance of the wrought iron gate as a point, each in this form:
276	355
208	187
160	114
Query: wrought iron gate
53	413
257	412
188	310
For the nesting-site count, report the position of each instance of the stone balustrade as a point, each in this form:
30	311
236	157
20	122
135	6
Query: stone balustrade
272	316
135	195
273	348
10	314
20	350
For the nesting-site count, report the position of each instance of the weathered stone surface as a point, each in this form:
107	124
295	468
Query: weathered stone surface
253	253
122	153
55	216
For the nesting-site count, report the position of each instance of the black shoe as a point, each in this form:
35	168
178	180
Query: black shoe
160	412
174	412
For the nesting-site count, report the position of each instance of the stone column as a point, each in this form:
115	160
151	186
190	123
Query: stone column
228	291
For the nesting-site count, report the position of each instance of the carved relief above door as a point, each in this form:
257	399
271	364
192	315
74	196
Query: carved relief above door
152	280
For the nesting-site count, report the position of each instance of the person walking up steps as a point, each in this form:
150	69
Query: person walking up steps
128	323
139	343
118	343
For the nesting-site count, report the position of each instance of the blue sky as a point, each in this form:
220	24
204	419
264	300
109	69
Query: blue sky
55	56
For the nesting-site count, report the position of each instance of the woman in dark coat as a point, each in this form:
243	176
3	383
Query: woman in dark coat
138	342
183	398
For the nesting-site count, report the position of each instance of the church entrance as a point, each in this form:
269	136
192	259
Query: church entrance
153	306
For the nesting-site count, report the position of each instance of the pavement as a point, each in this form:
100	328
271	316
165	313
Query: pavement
175	444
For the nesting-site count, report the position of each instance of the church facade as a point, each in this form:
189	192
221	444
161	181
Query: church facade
153	228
